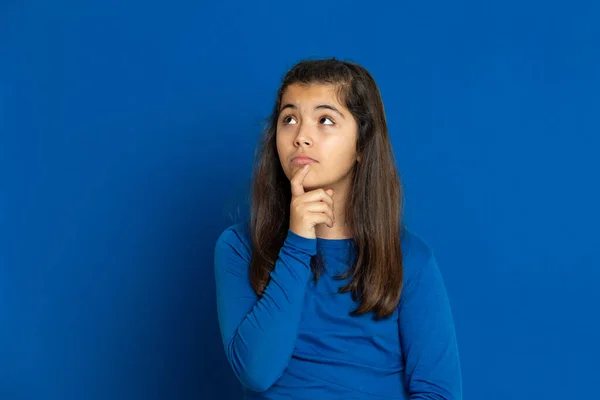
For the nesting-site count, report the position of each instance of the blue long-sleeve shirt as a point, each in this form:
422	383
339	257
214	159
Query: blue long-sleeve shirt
298	340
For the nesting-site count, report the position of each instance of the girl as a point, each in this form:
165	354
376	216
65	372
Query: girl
324	294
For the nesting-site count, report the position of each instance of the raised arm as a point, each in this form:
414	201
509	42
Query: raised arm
259	334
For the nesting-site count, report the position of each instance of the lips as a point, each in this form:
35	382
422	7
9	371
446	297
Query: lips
302	160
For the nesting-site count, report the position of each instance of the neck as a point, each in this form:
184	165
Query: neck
324	232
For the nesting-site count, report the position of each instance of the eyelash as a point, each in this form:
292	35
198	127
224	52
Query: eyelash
284	117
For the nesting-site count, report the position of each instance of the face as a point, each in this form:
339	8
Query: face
312	123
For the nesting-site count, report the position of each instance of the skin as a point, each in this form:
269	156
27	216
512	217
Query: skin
313	123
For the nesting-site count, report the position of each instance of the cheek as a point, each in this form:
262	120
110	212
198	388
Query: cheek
281	153
282	142
280	148
341	155
277	143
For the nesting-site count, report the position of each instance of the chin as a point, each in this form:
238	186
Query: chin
312	184
309	182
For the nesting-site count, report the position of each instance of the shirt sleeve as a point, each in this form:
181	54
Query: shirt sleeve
259	334
428	338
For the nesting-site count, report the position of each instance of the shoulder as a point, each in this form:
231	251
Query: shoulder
417	254
235	240
414	247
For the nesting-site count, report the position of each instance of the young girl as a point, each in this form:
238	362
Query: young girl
324	294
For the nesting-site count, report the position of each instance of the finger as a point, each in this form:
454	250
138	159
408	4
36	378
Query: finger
318	206
322	218
318	195
321	207
330	193
298	179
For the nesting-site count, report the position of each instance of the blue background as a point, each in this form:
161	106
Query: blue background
127	131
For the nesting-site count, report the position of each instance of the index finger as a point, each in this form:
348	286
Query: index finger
298	179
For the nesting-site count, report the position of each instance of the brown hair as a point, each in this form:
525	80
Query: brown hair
374	206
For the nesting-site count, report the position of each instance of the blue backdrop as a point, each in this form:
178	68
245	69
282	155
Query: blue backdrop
127	131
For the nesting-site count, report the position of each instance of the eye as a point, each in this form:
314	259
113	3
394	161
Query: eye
324	120
288	120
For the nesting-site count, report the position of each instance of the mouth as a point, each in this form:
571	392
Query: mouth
302	160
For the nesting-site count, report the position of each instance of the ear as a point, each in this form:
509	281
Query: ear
358	158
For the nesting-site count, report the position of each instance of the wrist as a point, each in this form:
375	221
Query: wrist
305	243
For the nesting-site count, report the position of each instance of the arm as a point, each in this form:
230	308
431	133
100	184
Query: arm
428	337
259	334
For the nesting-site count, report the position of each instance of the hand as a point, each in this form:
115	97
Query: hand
308	209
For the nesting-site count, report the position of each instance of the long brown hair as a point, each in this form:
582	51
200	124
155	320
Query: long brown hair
374	207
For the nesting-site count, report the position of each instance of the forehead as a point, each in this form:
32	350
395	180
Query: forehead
311	94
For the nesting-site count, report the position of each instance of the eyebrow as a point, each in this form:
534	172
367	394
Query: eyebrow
318	107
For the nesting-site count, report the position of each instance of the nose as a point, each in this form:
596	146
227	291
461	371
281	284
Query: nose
303	137
302	142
